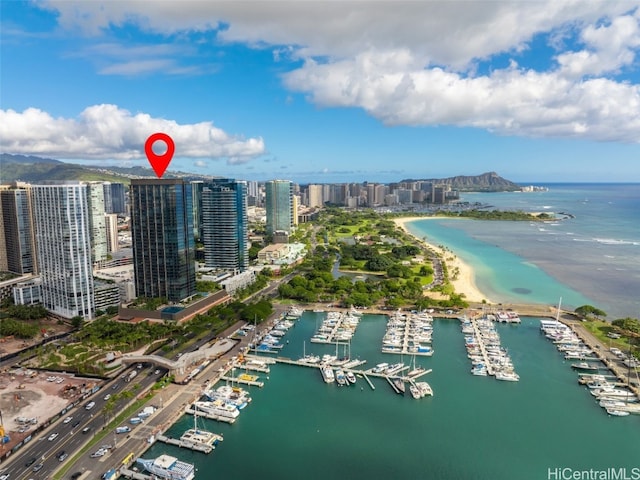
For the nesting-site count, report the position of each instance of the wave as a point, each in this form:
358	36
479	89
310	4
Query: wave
613	241
606	241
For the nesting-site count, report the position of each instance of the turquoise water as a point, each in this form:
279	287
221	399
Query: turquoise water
501	275
473	428
594	256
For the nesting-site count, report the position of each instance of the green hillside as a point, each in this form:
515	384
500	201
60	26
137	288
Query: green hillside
41	171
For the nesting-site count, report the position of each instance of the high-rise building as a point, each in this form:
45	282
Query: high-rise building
19	241
196	192
162	237
114	197
379	193
3	249
98	228
279	206
315	196
62	219
225	225
118	198
108	201
111	225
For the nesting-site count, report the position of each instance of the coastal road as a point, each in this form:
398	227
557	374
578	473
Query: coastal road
71	436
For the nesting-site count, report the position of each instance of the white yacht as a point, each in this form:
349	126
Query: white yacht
327	373
507	376
218	408
425	389
168	467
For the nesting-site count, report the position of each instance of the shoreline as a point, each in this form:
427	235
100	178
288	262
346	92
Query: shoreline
465	282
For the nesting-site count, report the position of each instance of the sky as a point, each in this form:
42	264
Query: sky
328	91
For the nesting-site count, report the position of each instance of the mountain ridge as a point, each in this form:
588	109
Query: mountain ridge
485	182
29	168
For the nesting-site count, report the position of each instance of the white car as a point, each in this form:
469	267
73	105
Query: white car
107	397
90	405
67	420
98	453
52	437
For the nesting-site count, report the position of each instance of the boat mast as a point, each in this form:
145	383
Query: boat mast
558	311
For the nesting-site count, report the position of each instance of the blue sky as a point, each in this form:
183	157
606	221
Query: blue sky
329	91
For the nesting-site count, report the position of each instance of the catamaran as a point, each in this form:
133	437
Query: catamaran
197	436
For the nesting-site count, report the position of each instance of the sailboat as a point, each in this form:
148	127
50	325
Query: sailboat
198	436
415	371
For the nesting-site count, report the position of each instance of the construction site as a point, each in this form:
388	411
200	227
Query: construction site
29	399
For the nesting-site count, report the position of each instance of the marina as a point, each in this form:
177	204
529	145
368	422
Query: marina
485	351
409	333
449	380
612	392
194	438
338	327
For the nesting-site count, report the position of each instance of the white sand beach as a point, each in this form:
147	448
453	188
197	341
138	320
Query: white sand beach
464	283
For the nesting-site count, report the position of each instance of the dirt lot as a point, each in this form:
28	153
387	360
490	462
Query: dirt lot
29	394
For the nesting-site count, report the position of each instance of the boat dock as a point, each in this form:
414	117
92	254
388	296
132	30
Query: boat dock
485	351
337	327
182	444
191	411
409	334
259	359
353	363
483	348
618	397
622	374
364	375
395	389
244	380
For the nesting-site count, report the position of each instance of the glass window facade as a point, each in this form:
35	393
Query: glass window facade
162	235
224	225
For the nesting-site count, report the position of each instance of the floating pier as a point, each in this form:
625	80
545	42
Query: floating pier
364	375
244	381
395	389
182	444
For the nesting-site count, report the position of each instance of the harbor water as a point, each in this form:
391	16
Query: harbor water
472	428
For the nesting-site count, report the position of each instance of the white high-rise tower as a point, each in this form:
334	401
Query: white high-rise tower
62	219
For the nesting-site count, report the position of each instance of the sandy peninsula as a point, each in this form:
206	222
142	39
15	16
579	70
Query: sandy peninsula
465	282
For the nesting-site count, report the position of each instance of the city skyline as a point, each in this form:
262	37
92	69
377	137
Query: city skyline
380	91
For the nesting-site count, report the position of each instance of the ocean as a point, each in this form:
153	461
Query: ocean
593	258
546	426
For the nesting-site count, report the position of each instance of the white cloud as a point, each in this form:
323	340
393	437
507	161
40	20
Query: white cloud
416	62
109	132
608	48
510	101
445	32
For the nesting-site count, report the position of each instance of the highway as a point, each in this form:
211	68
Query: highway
72	436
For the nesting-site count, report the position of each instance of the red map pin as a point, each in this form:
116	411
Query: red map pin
159	163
